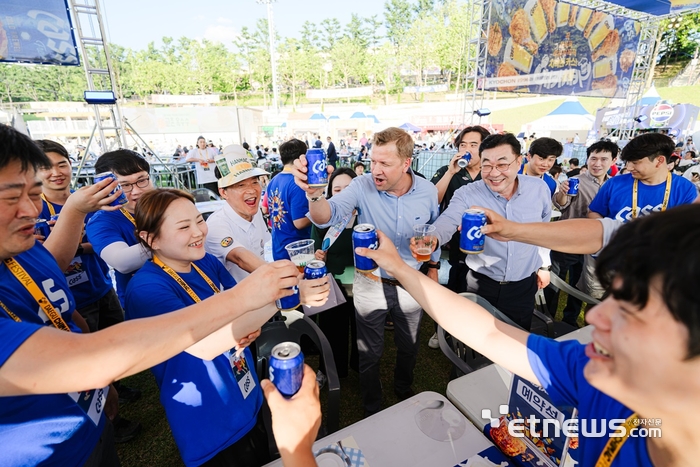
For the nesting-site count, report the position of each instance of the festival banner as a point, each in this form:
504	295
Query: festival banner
37	31
554	47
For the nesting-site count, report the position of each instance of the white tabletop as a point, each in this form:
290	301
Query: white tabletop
489	387
392	437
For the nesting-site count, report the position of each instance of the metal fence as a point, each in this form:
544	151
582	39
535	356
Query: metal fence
428	162
180	175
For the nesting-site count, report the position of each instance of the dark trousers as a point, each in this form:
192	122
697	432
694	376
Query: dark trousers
249	451
105	452
563	264
457	281
515	299
105	312
338	324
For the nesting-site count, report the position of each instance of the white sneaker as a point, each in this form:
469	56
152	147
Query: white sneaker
433	342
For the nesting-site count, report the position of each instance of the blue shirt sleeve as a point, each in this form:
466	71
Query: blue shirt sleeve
451	218
558	366
688	191
344	202
299	206
102	232
225	277
13	335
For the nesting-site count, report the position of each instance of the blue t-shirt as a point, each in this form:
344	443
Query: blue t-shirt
548	179
87	275
105	228
287	203
559	367
207	405
614	199
42	429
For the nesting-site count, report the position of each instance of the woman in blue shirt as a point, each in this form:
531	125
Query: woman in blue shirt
210	392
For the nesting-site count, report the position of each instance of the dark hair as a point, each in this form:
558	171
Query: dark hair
555	170
122	162
245	145
692	154
659	245
150	211
402	140
546	147
358	164
574	161
341	171
201	137
651	145
47	145
492	141
471	129
604	145
291	150
15	146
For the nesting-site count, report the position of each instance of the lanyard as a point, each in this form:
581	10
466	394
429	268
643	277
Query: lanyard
613	446
667	195
128	215
52	210
169	271
28	283
9	313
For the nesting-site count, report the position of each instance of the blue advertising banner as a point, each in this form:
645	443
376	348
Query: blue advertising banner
553	47
37	31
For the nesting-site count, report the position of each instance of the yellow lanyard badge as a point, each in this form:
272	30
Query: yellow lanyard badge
613	446
169	271
28	283
667	195
128	215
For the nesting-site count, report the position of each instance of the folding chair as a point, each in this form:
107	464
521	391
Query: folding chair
291	329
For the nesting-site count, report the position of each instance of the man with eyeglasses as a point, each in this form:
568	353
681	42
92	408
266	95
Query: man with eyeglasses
112	234
506	274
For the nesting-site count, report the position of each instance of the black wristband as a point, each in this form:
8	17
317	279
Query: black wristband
80	250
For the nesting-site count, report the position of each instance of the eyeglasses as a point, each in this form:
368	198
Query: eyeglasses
500	167
141	183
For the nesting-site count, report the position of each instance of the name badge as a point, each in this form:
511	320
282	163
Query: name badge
91	402
241	372
76	273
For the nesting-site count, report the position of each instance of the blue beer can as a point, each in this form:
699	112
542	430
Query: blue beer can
42	228
315	269
365	236
464	161
317	175
121	200
290	302
471	240
286	368
573	187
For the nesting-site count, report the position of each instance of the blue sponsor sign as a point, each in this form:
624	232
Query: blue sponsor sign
555	47
37	31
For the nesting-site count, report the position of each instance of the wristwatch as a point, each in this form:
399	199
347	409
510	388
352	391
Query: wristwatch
546	268
434	266
314	198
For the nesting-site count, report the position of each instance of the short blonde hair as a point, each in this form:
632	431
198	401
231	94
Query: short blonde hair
403	141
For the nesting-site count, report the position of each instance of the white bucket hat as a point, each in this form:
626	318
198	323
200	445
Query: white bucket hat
235	166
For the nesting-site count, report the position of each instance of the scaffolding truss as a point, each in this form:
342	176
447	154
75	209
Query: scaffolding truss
478	30
99	72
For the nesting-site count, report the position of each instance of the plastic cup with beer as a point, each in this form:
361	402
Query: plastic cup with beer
424	240
301	252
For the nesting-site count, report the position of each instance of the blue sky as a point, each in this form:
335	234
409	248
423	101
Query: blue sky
135	23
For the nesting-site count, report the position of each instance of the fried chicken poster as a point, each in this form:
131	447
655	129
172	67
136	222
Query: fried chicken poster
554	47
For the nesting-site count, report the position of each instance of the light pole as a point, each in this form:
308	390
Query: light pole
273	58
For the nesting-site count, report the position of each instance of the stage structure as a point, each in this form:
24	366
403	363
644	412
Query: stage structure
103	93
619	44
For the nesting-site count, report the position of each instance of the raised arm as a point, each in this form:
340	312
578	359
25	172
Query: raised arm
576	236
53	361
462	318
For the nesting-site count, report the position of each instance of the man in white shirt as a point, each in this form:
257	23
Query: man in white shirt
237	232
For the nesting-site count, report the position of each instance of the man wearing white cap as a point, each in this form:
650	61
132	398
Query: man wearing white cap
237	232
